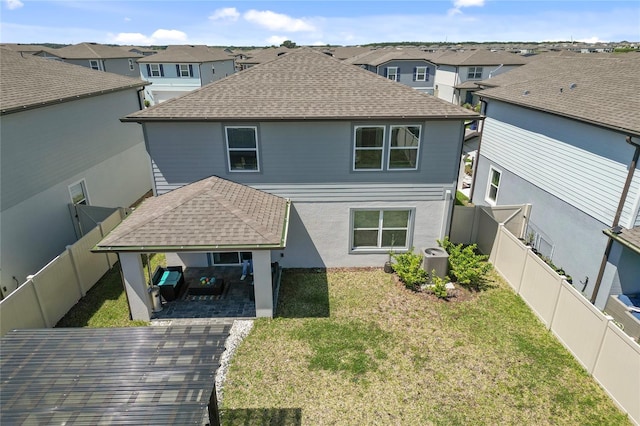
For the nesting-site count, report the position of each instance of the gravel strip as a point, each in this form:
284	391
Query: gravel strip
239	330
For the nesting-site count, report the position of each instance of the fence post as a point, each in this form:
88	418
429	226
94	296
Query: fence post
38	300
76	270
101	237
496	243
556	304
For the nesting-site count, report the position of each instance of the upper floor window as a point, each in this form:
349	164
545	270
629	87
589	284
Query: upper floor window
387	229
242	148
78	192
131	67
155	70
95	65
393	73
474	73
404	143
184	70
422	74
493	186
368	148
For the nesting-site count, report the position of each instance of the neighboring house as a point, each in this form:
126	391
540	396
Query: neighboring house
98	57
370	166
259	56
458	72
62	143
345	52
556	136
180	69
409	66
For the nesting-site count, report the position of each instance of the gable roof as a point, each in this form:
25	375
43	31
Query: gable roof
186	53
93	51
381	56
210	214
302	85
31	82
599	90
480	57
258	56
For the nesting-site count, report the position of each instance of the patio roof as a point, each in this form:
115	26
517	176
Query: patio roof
629	238
137	375
212	214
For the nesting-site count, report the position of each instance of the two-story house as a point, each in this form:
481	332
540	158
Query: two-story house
98	57
459	71
62	143
409	66
561	133
180	69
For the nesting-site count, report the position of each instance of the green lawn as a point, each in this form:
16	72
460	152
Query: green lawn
354	347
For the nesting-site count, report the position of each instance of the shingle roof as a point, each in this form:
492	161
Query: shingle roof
258	56
32	82
303	85
599	90
93	51
480	57
381	56
345	52
632	236
207	214
185	53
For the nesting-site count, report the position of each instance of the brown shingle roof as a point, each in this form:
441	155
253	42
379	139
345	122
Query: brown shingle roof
479	58
192	54
208	214
93	51
258	56
32	82
303	85
599	90
381	56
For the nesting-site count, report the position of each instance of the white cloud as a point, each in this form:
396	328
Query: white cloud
276	40
277	21
158	37
318	43
169	36
131	38
467	3
227	13
591	40
126	19
14	4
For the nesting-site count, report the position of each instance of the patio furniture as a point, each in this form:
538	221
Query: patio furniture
170	280
622	307
214	287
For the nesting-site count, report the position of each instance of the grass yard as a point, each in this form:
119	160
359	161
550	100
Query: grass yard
356	348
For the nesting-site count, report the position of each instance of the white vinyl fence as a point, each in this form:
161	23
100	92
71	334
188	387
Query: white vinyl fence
48	295
605	351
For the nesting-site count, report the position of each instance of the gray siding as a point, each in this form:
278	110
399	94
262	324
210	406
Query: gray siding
621	274
295	153
407	72
48	145
223	69
121	66
584	165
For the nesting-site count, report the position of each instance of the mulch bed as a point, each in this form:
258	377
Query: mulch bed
459	294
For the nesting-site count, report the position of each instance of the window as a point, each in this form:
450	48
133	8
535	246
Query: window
155	70
392	73
78	192
224	258
368	147
404	143
131	67
493	186
381	229
422	74
474	73
95	65
242	148
184	70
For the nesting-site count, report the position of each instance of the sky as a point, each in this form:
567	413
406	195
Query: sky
266	23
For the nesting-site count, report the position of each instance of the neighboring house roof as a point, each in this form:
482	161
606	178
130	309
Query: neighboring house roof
381	56
28	82
187	54
303	85
260	56
135	375
210	214
346	52
26	48
469	84
599	90
478	58
629	238
93	51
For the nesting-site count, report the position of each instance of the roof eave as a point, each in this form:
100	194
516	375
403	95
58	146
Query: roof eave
186	248
134	119
621	240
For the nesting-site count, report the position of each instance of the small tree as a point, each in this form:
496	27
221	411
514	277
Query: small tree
288	44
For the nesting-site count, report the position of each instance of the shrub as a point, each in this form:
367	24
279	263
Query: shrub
408	266
467	267
439	285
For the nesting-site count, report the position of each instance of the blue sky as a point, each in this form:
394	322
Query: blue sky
262	23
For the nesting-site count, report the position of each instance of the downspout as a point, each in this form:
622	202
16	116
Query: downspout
616	219
483	111
492	71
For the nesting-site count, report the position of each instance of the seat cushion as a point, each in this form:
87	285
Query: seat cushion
170	278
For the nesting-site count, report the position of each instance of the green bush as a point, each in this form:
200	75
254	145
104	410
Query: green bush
467	267
439	285
408	266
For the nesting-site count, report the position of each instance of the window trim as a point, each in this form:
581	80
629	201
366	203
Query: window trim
425	76
98	66
381	149
474	75
151	70
83	184
389	147
189	70
487	198
379	248
256	149
396	75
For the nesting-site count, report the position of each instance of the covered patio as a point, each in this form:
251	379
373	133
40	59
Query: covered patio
194	225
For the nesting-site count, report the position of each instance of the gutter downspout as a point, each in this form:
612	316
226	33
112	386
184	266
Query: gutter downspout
616	219
492	71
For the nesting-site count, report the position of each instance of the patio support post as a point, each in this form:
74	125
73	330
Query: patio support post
263	285
135	286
